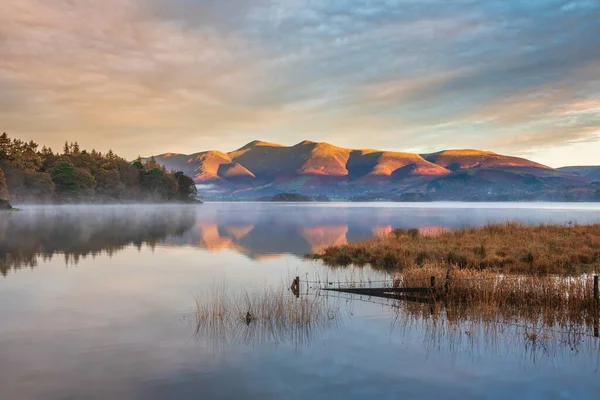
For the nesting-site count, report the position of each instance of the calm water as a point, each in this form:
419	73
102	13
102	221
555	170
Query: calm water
99	302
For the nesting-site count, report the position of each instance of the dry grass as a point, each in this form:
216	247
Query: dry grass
269	315
505	248
525	313
490	296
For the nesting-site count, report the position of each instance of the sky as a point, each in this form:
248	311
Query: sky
142	77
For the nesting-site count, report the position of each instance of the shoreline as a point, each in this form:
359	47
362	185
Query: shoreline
108	203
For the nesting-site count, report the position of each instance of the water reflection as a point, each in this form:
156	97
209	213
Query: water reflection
121	325
259	231
471	333
475	334
266	230
78	232
266	318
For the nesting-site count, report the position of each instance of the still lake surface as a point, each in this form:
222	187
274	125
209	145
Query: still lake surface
100	301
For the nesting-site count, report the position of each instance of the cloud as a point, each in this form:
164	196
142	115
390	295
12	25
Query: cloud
99	67
149	76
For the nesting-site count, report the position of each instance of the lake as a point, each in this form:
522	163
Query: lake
100	302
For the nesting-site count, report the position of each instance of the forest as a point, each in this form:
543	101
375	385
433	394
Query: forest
29	173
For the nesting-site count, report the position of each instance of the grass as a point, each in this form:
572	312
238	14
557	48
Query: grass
488	295
539	314
269	315
527	313
504	248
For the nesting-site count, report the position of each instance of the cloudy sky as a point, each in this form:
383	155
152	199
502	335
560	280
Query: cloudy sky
519	77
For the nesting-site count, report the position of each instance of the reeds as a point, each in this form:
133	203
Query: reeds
506	248
530	315
487	295
269	315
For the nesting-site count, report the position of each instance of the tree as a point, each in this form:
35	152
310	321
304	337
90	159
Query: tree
3	186
186	187
158	186
129	175
29	172
5	145
84	179
109	181
30	159
83	160
64	177
49	160
39	185
138	165
151	164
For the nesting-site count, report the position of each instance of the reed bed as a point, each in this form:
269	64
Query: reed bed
562	300
505	248
529	315
460	328
268	315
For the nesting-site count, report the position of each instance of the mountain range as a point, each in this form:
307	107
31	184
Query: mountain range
262	169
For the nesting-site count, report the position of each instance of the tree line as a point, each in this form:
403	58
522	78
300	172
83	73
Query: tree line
32	174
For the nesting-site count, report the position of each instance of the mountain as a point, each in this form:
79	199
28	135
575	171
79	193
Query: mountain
454	160
261	169
590	172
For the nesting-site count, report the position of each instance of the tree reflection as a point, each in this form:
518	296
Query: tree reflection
79	232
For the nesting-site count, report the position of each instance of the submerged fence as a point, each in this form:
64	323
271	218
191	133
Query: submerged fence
572	287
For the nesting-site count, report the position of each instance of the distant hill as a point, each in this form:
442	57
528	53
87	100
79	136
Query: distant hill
295	197
590	172
261	169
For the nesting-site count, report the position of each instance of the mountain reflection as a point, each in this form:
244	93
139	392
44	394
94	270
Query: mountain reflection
76	232
263	239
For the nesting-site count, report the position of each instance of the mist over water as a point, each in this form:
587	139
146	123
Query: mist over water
81	231
253	229
99	302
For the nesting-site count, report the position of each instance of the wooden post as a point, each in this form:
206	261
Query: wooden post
596	325
296	287
596	311
447	284
432	288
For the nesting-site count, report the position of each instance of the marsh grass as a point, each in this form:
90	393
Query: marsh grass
564	300
530	314
505	248
473	317
263	316
463	330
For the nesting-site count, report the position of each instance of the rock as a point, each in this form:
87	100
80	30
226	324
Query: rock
5	205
